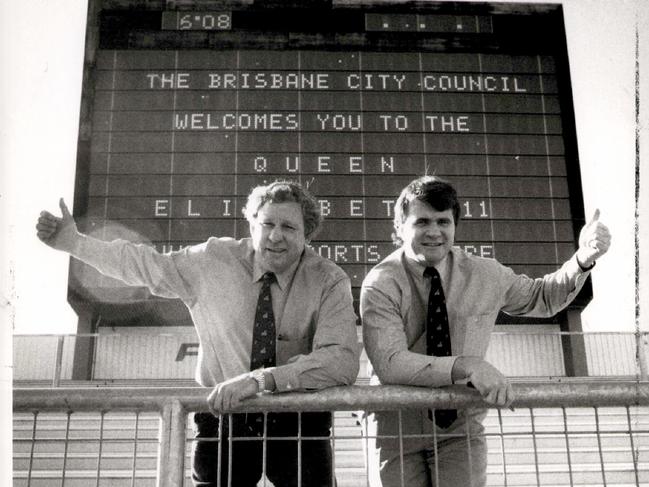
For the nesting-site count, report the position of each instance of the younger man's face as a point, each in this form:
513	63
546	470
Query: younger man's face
427	234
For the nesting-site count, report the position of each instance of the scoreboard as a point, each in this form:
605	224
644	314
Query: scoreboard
187	106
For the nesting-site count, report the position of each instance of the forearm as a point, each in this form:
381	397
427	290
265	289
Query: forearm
464	366
547	295
332	358
325	367
410	368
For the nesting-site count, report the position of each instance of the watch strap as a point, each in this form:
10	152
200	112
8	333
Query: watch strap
260	379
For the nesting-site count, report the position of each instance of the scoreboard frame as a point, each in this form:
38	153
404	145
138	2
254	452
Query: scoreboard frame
324	26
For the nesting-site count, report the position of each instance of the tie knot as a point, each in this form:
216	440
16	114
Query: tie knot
431	272
268	277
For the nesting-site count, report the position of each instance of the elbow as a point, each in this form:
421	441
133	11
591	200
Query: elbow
351	365
340	367
349	378
391	369
387	376
387	373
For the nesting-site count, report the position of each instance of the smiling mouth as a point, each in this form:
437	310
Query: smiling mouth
275	251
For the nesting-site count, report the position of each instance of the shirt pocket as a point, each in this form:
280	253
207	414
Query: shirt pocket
289	346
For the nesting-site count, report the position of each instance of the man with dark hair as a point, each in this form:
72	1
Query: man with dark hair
428	310
271	316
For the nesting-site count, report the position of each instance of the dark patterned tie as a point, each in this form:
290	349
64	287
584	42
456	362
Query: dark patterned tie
438	338
263	333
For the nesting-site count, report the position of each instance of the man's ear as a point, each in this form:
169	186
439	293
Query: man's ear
397	230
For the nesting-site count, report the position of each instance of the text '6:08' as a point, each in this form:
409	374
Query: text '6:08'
205	21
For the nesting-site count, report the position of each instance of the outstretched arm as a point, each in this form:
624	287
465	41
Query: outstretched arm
547	295
167	275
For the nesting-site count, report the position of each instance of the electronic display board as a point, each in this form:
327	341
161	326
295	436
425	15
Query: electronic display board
185	110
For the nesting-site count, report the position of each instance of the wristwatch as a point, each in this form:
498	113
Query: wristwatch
260	379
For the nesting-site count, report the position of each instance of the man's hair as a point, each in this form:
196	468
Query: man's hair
435	191
285	192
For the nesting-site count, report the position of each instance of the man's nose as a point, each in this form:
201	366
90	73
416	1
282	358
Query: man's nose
433	230
275	235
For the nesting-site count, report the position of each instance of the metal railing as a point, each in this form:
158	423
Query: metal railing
571	414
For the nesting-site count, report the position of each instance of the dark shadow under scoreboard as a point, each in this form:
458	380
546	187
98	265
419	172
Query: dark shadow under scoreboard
186	106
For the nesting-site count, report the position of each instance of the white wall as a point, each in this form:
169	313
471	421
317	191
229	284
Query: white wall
40	104
601	48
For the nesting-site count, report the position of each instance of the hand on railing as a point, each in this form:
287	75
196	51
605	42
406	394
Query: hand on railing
492	385
229	394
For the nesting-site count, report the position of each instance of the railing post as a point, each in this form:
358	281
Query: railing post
163	453
171	465
56	379
574	347
641	351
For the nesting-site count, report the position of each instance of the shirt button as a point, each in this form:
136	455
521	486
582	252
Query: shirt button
289	386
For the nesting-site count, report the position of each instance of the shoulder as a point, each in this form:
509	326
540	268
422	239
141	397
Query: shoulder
321	268
388	274
474	264
221	247
224	243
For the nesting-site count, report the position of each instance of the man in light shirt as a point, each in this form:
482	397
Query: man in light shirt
428	311
271	316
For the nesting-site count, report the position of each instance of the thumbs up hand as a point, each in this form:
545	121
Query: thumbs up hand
58	232
594	241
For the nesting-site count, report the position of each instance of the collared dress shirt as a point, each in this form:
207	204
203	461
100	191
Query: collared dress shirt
393	312
219	282
394	300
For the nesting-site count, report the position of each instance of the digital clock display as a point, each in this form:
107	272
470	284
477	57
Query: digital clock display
178	20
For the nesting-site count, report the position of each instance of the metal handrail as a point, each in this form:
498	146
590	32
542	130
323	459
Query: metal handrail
174	403
534	394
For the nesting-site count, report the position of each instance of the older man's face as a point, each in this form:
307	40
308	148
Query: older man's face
278	235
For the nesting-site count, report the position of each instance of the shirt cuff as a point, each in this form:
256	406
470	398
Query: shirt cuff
585	269
285	379
442	368
574	268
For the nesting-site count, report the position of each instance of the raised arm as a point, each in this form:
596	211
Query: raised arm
167	275
547	295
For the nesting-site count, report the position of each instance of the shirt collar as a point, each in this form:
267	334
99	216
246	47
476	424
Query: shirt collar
283	279
417	269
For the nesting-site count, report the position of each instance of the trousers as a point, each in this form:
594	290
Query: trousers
455	459
240	454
